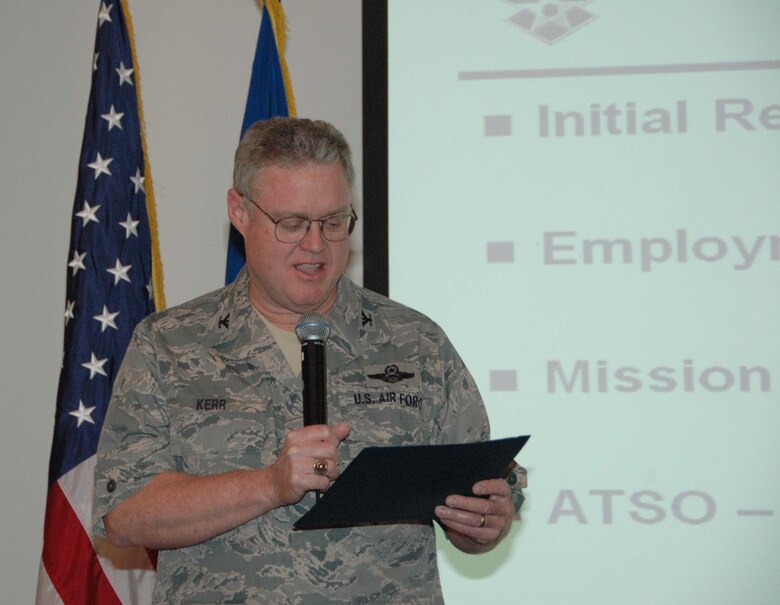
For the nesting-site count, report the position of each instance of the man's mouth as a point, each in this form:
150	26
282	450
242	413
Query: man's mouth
309	268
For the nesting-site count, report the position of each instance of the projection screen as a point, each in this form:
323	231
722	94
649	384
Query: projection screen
585	196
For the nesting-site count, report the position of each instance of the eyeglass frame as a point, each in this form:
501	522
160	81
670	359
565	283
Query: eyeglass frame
351	214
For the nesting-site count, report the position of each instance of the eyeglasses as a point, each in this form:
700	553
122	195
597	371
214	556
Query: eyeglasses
292	229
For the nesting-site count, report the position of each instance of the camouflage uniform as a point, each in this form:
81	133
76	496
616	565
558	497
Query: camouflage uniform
204	388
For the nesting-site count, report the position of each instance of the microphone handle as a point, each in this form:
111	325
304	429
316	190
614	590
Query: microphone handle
315	409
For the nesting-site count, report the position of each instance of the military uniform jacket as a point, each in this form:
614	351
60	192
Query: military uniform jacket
204	389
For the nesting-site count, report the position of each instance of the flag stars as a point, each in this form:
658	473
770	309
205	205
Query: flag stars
95	366
106	319
77	262
88	213
119	271
69	310
124	74
83	414
104	14
94	61
131	226
100	166
150	290
138	181
113	118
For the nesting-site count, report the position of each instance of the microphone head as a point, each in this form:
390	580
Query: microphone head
312	326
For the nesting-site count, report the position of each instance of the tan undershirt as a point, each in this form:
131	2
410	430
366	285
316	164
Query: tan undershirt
288	343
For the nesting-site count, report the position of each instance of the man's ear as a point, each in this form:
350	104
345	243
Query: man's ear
238	213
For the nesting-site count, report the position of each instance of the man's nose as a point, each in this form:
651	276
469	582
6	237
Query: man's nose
313	240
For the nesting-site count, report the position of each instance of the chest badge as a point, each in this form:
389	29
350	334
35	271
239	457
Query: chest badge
392	374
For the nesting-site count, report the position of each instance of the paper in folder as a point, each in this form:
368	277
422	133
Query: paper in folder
405	484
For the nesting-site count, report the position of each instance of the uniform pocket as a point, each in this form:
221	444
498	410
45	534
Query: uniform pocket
220	441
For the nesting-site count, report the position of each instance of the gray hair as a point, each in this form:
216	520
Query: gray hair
289	142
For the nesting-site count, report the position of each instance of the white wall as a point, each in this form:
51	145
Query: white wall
195	58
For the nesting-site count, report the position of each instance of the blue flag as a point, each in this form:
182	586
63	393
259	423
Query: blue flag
267	98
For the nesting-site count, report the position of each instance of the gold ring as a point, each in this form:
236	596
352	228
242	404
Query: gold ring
482	521
320	466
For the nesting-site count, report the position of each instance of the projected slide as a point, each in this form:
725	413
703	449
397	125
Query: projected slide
586	196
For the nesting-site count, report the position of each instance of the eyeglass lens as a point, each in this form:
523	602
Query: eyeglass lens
334	228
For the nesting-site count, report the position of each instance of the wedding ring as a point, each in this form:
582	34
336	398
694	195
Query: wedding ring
320	466
481	521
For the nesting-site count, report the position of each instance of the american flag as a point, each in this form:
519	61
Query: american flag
111	285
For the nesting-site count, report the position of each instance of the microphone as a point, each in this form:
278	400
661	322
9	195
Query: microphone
313	330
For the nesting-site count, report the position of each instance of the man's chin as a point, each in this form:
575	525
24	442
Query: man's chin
318	301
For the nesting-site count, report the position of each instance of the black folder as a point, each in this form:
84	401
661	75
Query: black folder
405	484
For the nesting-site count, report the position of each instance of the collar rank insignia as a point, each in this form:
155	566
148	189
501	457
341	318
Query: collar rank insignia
366	318
224	322
392	374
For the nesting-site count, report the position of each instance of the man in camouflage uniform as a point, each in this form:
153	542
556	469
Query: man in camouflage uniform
203	453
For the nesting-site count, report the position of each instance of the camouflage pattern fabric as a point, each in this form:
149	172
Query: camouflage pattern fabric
205	389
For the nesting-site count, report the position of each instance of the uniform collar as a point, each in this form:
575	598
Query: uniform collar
240	333
355	325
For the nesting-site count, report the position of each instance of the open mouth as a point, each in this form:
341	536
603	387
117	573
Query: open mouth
310	268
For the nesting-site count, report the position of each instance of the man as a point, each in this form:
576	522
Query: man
203	453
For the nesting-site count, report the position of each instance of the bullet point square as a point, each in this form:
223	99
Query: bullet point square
498	126
503	380
500	252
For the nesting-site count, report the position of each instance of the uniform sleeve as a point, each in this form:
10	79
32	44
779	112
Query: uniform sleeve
463	418
461	415
517	480
134	441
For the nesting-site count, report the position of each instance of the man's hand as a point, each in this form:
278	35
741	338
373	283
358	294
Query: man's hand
477	523
293	474
175	509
